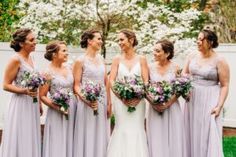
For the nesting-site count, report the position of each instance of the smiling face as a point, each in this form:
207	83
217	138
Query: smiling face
124	42
159	54
62	54
202	43
96	42
29	44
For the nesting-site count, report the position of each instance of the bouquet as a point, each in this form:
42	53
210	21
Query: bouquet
32	80
91	91
129	88
182	86
62	98
159	92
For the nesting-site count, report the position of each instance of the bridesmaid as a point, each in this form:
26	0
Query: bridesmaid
91	132
21	134
58	132
210	74
165	130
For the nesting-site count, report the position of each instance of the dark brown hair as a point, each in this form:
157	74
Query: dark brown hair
19	37
130	35
51	48
211	37
89	34
168	47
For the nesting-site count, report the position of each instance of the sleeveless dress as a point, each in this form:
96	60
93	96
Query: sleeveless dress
205	134
165	131
21	134
91	132
58	131
128	137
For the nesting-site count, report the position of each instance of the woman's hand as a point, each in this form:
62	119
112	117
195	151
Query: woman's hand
131	102
161	107
61	110
93	105
158	108
31	93
109	110
216	111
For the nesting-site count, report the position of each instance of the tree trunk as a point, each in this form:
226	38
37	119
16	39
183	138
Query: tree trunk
202	4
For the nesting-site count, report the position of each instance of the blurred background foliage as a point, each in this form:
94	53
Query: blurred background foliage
219	15
9	15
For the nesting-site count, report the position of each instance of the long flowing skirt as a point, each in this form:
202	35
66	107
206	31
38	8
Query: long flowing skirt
166	132
21	134
205	131
91	132
59	132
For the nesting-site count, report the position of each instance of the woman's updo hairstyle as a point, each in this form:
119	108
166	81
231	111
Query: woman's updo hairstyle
211	37
51	48
19	37
167	47
89	34
130	35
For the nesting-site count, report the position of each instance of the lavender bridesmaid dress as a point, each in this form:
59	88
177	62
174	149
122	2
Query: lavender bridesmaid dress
91	132
205	130
21	134
59	132
165	131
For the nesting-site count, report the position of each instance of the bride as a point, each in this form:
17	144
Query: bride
128	138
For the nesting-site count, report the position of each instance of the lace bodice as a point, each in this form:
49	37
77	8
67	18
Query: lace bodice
94	73
206	74
91	71
24	66
58	81
156	76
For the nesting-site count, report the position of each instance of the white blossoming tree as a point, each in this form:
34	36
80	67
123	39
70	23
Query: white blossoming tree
67	19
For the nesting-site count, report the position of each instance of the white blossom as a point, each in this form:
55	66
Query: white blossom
58	18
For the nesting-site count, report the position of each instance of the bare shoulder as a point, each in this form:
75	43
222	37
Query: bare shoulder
79	61
116	59
221	60
14	60
143	59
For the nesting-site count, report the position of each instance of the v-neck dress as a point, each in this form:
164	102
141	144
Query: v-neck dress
21	133
58	131
92	132
165	131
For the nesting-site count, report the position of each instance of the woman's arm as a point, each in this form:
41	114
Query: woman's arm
144	69
77	73
9	76
114	70
224	75
186	64
43	90
109	104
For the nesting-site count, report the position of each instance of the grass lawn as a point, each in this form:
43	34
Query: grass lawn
229	145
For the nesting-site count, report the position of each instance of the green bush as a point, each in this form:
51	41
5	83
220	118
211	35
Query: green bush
9	14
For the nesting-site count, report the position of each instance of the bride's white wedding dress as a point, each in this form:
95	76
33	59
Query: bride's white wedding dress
129	137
